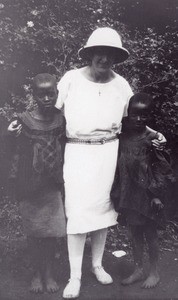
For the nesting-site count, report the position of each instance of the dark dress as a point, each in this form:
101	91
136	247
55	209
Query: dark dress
142	173
39	159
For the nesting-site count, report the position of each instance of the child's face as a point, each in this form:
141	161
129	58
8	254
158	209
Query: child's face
138	116
45	94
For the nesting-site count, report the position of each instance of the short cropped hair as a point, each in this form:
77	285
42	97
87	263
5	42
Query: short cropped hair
142	98
43	78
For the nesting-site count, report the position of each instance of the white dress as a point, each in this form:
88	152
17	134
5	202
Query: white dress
92	111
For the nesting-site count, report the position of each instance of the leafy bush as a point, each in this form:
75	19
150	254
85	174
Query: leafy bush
44	36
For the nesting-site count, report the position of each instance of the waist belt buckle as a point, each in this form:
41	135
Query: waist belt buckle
103	141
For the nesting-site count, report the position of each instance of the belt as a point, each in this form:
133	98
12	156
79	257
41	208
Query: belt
92	141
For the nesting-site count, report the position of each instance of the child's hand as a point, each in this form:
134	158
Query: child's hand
159	142
14	128
157	203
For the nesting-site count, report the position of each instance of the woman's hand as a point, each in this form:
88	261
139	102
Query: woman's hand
160	142
14	128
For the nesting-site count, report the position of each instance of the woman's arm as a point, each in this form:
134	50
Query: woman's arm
13	131
14	128
160	141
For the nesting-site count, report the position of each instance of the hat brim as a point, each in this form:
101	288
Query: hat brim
120	54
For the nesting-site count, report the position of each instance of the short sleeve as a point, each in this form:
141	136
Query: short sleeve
128	95
63	88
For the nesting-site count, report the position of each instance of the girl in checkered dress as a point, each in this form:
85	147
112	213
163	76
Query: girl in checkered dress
40	148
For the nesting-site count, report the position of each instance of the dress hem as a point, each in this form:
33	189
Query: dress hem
90	230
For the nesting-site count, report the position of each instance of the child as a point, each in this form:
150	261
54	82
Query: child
40	146
140	181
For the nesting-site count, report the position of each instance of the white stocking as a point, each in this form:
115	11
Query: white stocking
98	240
76	244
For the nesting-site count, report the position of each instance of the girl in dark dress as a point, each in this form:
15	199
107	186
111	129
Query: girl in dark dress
142	175
40	148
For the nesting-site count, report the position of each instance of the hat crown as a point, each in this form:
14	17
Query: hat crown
104	37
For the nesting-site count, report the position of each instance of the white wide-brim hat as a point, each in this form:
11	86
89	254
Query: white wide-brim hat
105	37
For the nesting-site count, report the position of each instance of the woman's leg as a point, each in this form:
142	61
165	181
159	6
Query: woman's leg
76	243
98	240
137	246
153	248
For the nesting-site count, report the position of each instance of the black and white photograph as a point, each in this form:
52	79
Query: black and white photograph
89	149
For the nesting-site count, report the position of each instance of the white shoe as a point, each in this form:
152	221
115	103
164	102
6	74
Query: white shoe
72	289
101	275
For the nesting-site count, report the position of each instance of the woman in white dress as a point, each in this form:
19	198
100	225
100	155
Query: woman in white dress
95	100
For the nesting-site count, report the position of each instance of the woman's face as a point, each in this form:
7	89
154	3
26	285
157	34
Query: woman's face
102	59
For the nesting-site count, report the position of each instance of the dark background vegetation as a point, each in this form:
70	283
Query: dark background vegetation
45	35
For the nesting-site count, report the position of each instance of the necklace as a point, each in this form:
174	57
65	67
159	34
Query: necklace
100	89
